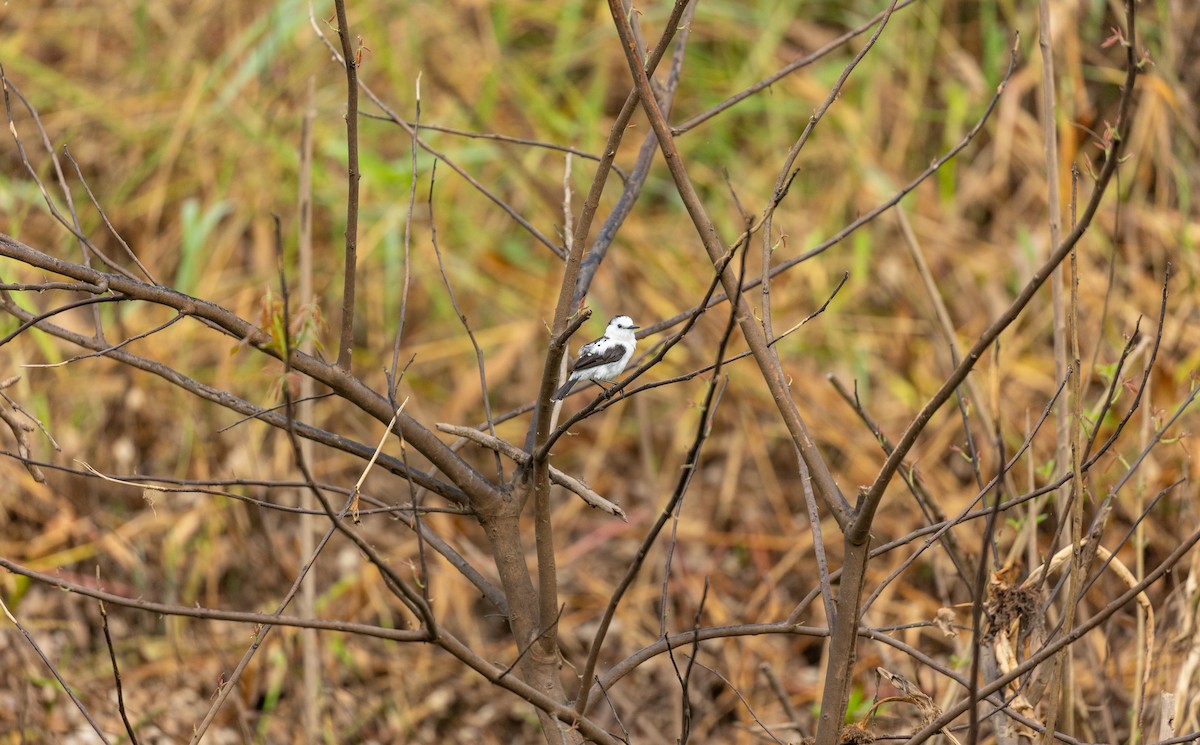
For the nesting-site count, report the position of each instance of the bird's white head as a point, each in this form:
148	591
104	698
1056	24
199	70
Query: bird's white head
620	327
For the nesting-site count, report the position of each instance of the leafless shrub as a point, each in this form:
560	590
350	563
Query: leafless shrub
1012	626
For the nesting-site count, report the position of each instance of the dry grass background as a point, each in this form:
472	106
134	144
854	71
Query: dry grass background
185	119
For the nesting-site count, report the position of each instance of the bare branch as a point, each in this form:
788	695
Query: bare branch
1052	648
521	458
668	512
350	63
350	388
776	381
796	64
641	168
52	667
873	496
112	656
416	124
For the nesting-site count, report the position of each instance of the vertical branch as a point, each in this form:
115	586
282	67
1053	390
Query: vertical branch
1064	440
1048	109
112	656
1079	565
462	318
346	342
1139	546
310	649
539	432
547	566
978	594
393	378
814	525
539	428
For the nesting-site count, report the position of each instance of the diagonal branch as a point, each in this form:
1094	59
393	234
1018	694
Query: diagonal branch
53	670
353	390
751	331
874	495
934	166
788	69
641	168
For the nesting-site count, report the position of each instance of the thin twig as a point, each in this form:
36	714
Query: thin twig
685	678
398	120
162	326
912	479
814	526
480	365
107	222
946	326
310	650
782	696
393	379
787	172
112	656
613	710
87	248
357	490
416	124
521	458
31	320
19	409
867	217
1137	397
216	614
20	431
749	709
72	226
50	665
793	66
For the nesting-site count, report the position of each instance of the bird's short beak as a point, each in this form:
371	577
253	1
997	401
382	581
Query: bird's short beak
636	327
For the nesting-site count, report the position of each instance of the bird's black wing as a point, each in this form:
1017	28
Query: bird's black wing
589	357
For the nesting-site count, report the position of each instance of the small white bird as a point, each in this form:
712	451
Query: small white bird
604	358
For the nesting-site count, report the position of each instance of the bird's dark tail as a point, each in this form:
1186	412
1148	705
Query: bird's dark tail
561	393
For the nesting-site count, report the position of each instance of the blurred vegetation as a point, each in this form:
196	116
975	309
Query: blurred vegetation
185	120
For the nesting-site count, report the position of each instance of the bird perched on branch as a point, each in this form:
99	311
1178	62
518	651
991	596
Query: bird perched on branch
604	358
